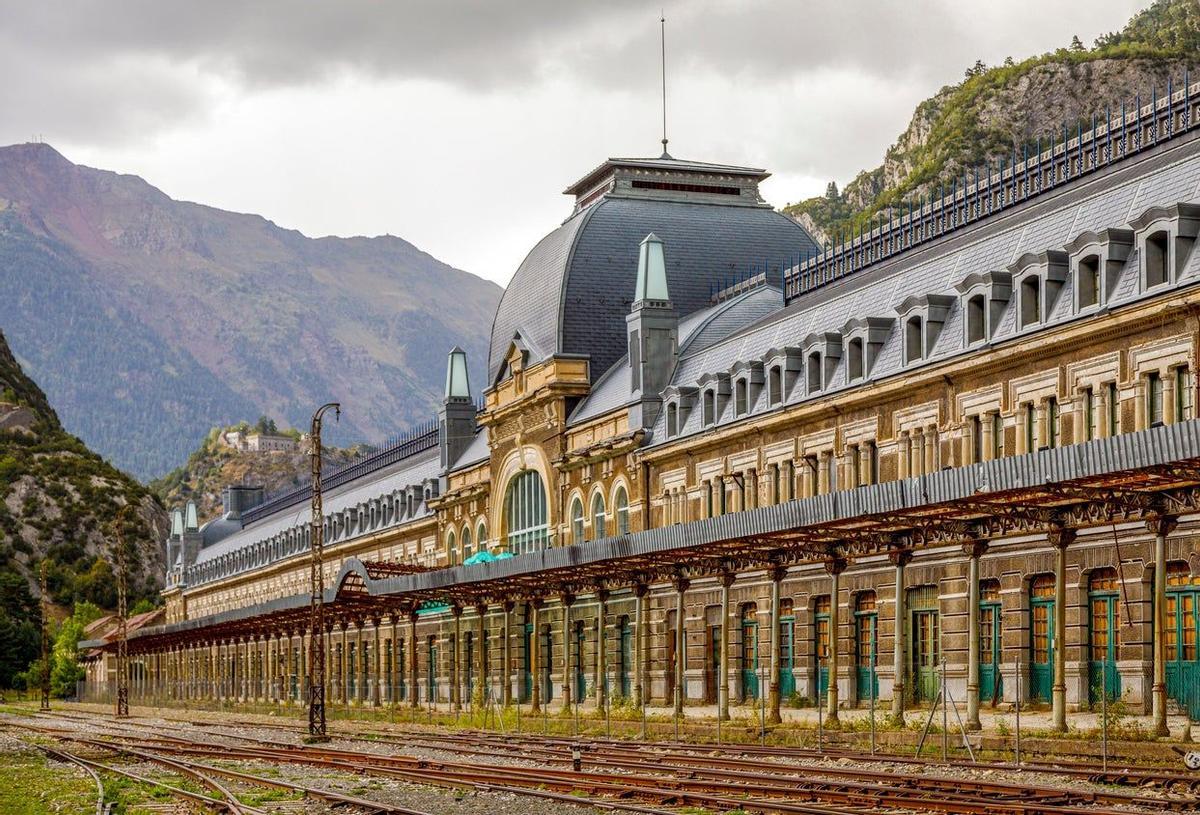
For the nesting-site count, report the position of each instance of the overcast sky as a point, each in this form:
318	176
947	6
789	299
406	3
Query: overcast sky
456	125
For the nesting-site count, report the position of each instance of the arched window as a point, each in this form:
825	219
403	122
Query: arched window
525	513
599	517
1031	300
672	419
1157	261
914	345
775	385
577	521
815	375
467	550
451	554
976	319
480	535
855	360
621	508
741	401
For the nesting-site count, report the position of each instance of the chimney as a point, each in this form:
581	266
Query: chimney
653	332
456	418
236	499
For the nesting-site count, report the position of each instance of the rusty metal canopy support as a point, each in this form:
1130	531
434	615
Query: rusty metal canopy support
1096	483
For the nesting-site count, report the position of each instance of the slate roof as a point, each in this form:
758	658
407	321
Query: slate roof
1109	200
573	291
662	163
475	452
699	330
410	471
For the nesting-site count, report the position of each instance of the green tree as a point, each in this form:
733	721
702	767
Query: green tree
65	670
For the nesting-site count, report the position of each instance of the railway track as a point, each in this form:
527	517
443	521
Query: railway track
663	775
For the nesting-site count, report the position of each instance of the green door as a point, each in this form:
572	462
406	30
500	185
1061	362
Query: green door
867	656
712	671
545	654
469	663
925	643
431	670
1103	635
749	659
787	656
821	643
527	664
1182	633
625	660
990	688
580	676
1042	638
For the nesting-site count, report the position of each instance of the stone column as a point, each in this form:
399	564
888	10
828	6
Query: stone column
1060	539
973	550
479	697
1043	425
1022	433
535	665
807	480
568	692
601	649
456	672
905	455
639	645
681	586
931	449
835	568
1168	397
823	472
775	574
1102	412
414	691
726	579
899	558
1160	526
506	668
988	434
968	452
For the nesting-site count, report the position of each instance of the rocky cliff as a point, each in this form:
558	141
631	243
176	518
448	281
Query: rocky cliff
58	500
996	112
150	320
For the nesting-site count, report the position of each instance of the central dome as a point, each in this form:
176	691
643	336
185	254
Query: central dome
573	291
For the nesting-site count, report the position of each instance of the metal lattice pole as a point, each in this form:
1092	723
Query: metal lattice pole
45	609
316	641
122	710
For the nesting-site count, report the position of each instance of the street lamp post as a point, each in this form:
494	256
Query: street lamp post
316	640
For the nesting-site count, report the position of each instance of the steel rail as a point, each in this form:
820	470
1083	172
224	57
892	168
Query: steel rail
102	808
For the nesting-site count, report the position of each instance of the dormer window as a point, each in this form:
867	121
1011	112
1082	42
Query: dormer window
922	318
1164	237
854	359
740	397
714	396
672	420
747	385
1031	301
678	404
1096	262
1089	284
783	367
984	298
822	352
1157	258
914	345
814	372
710	407
1039	279
775	385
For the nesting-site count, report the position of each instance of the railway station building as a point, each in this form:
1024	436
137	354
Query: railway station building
714	462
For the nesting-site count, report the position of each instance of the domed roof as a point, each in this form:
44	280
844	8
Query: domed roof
573	291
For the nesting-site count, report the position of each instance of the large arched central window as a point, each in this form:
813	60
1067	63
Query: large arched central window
525	513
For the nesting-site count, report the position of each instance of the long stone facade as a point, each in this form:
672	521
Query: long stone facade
725	495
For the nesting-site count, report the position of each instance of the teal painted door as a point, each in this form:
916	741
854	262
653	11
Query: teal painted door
749	660
1182	633
926	654
545	656
527	664
1102	643
580	676
821	643
989	652
1041	669
625	659
431	670
469	663
787	656
867	642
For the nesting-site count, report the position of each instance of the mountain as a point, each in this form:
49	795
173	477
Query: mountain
149	320
58	500
996	112
215	465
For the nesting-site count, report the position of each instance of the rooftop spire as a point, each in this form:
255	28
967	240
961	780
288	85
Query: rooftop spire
663	40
